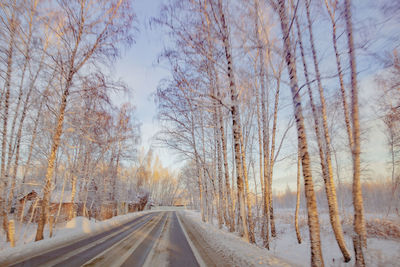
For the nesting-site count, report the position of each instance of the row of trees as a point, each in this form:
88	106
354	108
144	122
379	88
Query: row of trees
59	129
237	68
377	198
162	184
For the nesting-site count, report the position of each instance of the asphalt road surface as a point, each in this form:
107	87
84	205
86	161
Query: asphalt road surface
154	239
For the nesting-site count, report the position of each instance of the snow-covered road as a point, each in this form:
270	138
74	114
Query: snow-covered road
166	237
154	238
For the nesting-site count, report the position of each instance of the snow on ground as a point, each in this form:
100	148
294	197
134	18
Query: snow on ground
234	248
383	239
80	223
382	251
25	232
64	233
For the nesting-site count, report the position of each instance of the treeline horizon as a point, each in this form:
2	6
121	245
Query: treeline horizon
379	197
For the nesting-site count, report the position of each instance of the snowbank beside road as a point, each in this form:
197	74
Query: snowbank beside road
227	246
77	229
81	224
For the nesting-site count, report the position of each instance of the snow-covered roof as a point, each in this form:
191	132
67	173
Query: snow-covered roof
25	189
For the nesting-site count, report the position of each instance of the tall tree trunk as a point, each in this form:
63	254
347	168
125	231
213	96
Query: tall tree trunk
243	147
313	221
247	189
360	236
73	193
204	167
266	194
257	215
260	154
325	157
50	162
228	190
266	171
200	185
117	163
206	194
346	112
198	168
217	172
272	160
235	121
296	215
265	134
214	85
222	194
7	89
340	75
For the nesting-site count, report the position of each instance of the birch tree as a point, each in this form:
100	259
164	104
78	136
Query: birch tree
313	221
94	30
360	235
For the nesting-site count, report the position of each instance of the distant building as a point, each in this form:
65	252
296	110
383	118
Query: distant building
181	202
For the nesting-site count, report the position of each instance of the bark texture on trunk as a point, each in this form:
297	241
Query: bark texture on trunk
7	91
266	155
229	203
296	214
51	160
235	122
313	221
325	154
247	191
340	75
360	236
266	172
222	196
272	160
199	173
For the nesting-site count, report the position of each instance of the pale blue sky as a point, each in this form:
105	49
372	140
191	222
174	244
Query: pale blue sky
139	69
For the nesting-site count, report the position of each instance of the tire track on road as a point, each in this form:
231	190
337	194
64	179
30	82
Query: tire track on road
119	252
58	253
138	255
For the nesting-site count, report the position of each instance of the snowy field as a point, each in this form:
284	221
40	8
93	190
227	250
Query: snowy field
383	240
381	250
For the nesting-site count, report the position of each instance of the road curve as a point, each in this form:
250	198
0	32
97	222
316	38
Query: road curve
136	243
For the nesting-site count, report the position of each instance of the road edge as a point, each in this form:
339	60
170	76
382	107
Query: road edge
196	253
